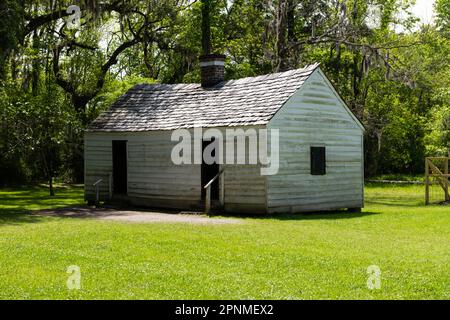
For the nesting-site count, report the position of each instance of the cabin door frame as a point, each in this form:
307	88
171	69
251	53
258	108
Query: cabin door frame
120	167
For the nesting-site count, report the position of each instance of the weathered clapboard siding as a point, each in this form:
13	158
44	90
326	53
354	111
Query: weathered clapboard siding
153	179
151	173
315	116
97	165
244	189
244	186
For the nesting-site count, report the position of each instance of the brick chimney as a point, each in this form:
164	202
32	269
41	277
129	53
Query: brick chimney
212	67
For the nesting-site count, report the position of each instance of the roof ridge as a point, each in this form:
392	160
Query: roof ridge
267	76
270	76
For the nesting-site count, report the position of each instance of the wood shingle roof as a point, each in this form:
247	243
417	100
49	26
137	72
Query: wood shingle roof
247	101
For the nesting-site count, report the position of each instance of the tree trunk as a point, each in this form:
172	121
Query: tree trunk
281	64
50	186
35	71
4	55
206	26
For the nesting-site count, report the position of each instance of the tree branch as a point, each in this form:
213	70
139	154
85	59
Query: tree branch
39	21
36	22
112	61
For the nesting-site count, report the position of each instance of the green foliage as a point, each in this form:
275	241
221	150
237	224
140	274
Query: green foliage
442	8
58	80
11	28
39	135
438	136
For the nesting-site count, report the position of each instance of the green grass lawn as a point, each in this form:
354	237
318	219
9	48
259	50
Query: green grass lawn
323	256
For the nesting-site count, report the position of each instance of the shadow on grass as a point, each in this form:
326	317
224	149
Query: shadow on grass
19	216
10	217
323	215
17	205
332	215
396	203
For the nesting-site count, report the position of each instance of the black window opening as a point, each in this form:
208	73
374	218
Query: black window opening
318	161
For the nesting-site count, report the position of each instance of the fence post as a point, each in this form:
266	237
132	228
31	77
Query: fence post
427	183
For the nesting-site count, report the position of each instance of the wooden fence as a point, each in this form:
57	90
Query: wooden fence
436	172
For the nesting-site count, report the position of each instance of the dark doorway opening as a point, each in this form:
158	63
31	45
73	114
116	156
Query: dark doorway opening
209	171
119	154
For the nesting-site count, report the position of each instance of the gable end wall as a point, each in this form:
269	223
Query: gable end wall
316	116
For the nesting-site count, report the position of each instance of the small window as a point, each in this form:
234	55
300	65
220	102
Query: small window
318	161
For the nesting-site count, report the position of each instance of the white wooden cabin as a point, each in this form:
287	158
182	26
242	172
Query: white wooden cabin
128	148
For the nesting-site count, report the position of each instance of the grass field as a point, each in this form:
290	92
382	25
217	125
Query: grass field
310	256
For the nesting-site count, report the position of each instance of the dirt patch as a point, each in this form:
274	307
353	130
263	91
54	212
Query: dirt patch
135	216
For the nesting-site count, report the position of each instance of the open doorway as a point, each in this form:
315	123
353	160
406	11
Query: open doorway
119	155
209	171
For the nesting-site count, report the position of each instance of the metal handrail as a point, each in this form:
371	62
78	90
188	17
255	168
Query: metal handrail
97	192
97	188
97	182
208	191
213	179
